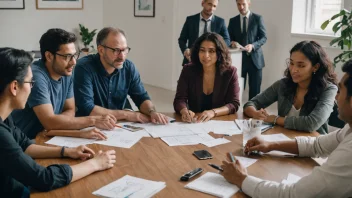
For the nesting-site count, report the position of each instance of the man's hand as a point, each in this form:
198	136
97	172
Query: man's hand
81	152
158	118
249	48
187	54
93	133
235	172
257	144
106	122
234	44
137	117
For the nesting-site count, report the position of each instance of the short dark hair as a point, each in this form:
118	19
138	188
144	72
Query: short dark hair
324	75
14	65
223	62
103	34
347	68
53	39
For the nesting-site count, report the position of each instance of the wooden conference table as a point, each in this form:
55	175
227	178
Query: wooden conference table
153	159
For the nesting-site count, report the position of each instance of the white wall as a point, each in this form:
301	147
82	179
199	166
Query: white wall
23	28
149	38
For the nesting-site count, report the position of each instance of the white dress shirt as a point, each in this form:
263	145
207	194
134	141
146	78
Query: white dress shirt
332	179
202	24
241	16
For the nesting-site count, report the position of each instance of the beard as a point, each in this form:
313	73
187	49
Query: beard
111	63
58	70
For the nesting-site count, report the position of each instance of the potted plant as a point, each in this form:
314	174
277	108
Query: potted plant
87	37
344	41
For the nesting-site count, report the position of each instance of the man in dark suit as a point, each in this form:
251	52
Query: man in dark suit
200	23
247	30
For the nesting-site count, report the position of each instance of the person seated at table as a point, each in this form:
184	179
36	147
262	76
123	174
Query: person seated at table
305	95
51	104
19	171
104	80
209	84
331	179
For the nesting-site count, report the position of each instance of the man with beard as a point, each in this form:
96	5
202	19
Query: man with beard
200	23
103	81
51	104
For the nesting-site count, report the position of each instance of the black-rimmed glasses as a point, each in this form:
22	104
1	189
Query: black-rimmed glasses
118	51
69	57
31	83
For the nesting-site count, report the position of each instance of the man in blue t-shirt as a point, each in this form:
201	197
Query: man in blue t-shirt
51	103
103	81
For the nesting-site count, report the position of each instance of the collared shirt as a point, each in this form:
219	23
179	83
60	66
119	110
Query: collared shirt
19	171
241	16
94	86
332	179
45	91
202	24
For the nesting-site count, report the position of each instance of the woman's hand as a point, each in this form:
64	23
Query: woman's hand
260	114
81	152
205	116
187	115
104	160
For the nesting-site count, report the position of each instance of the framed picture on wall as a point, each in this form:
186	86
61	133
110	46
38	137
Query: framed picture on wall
144	8
59	4
11	4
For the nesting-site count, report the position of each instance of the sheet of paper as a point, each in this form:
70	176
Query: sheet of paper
120	139
224	127
291	179
214	184
131	187
187	139
245	161
169	130
216	142
69	141
277	137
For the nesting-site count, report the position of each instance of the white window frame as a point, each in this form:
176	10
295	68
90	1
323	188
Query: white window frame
310	18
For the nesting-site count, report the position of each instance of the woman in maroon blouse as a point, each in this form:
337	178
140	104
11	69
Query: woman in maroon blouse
209	84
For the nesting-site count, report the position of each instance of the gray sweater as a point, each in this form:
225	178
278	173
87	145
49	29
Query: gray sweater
312	117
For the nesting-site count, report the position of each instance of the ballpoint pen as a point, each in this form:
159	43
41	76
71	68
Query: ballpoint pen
232	157
216	167
237	125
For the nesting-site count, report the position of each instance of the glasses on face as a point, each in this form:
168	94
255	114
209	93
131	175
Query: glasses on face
69	57
31	83
118	51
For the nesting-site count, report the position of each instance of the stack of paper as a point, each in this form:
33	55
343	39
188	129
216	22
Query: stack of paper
214	184
224	127
291	179
131	187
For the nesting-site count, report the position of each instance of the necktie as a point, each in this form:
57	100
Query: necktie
244	31
205	26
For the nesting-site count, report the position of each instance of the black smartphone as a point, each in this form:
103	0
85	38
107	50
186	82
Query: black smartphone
202	154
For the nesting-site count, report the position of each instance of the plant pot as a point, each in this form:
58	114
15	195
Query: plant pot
85	50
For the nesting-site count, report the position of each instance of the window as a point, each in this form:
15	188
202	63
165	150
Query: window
319	11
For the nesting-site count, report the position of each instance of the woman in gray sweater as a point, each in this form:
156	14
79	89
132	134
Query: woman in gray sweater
305	95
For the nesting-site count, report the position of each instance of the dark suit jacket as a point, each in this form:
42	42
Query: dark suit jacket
256	35
190	31
190	90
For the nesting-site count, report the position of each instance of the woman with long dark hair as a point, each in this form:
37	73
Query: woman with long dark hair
18	170
209	84
305	95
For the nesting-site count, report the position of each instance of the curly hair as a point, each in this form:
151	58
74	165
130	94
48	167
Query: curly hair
324	75
223	62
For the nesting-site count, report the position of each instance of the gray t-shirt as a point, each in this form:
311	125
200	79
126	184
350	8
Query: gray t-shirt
45	91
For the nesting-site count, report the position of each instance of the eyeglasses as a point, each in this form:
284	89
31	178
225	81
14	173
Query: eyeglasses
31	83
69	57
118	51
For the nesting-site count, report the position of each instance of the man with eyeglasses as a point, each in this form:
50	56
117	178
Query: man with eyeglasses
51	104
104	80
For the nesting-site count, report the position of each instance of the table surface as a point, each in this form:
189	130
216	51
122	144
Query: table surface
153	159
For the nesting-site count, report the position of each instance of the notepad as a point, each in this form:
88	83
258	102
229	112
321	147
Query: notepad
213	184
131	187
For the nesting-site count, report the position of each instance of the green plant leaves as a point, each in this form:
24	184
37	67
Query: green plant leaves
87	37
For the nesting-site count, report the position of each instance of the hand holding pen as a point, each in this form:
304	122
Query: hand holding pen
187	115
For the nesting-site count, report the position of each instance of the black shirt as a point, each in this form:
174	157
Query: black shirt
207	101
18	170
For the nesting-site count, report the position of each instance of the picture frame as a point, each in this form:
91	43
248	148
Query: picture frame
11	4
144	8
59	4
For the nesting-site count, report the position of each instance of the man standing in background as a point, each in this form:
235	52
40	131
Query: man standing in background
200	23
247	30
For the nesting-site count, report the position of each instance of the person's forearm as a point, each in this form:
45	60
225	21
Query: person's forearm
146	107
38	151
289	146
119	114
249	111
224	110
69	133
83	169
280	121
58	122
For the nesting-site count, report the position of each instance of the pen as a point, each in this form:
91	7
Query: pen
119	126
172	121
237	125
216	167
232	157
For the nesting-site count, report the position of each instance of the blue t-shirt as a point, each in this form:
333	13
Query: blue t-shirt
94	86
45	91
